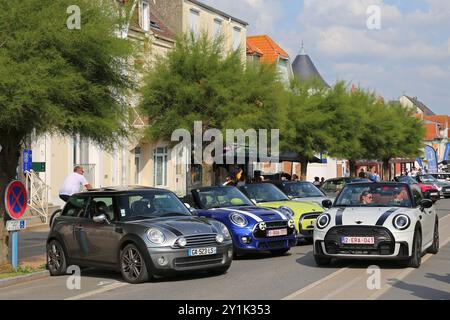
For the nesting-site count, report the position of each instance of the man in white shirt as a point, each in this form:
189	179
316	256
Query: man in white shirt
73	183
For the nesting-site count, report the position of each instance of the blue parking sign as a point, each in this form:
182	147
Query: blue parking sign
27	160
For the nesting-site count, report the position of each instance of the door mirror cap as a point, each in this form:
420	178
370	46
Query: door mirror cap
101	218
426	203
327	204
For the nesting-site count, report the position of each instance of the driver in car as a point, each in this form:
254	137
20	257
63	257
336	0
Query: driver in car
366	198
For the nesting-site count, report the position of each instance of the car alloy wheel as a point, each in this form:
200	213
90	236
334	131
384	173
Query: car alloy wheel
56	259
132	265
416	258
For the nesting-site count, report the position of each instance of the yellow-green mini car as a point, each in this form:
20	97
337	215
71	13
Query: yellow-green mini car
304	213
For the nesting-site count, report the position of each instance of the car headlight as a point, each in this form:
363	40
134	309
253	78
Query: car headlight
182	242
401	222
156	236
220	238
287	211
225	232
323	221
291	224
238	219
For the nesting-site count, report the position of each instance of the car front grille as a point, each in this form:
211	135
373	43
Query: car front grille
308	231
270	225
201	240
187	262
384	240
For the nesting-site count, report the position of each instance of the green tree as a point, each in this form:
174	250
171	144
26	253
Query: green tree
197	81
59	80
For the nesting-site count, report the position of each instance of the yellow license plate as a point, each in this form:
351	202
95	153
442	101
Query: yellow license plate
308	224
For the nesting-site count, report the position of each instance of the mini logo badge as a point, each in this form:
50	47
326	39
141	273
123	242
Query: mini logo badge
358	222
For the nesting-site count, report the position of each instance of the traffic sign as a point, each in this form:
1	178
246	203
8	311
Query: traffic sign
27	160
16	199
16	225
38	166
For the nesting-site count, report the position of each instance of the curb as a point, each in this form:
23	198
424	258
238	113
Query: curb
25	278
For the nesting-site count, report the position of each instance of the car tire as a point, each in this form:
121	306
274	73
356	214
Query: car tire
133	265
279	252
434	249
56	259
322	261
416	258
219	271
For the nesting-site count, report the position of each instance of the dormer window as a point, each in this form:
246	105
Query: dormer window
145	15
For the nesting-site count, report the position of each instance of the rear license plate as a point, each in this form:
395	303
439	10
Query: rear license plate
434	194
202	252
358	240
276	232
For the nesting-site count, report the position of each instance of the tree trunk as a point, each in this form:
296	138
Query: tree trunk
353	172
9	159
386	170
304	168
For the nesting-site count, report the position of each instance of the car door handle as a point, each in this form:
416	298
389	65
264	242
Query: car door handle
420	217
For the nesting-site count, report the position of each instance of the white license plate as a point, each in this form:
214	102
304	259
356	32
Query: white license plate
277	232
434	194
202	251
358	240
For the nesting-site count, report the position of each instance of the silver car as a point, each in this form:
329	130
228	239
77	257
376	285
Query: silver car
141	232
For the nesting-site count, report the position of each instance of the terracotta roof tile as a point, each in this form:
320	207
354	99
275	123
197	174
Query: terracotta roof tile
432	131
270	50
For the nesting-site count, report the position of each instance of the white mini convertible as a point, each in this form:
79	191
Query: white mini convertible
377	221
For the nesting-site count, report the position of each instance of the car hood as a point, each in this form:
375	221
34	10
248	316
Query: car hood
364	216
257	214
180	225
296	206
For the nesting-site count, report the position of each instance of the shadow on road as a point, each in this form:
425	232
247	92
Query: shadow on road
438	277
421	291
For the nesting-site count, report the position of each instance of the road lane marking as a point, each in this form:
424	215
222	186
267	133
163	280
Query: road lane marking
98	291
385	287
403	275
341	289
315	284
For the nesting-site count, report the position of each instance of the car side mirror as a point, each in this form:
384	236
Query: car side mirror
426	204
327	204
101	218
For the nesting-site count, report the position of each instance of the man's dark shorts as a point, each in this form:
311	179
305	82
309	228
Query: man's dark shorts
64	197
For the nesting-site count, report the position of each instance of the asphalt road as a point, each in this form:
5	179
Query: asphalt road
258	277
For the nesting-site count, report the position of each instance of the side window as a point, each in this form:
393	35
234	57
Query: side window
101	205
417	197
75	207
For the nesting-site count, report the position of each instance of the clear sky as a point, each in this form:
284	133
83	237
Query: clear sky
410	54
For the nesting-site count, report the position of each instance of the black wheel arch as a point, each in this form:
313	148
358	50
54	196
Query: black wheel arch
140	244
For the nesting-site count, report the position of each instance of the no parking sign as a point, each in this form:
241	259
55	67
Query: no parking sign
16	199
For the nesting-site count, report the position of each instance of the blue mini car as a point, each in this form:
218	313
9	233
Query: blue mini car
252	228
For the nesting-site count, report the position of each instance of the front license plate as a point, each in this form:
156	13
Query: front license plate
276	232
202	252
358	240
434	194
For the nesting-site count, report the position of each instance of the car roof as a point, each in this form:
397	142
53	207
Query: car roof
119	190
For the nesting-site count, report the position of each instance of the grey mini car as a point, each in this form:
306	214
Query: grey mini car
140	232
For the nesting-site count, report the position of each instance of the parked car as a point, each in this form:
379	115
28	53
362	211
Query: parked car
428	190
252	228
332	187
304	214
441	176
301	191
377	221
443	187
140	232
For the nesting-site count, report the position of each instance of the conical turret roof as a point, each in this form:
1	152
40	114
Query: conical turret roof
305	69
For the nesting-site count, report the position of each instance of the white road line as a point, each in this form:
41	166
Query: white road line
343	288
315	284
378	293
403	275
98	291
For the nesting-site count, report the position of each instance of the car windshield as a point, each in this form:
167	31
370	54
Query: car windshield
406	179
374	195
221	197
149	205
264	193
427	178
301	190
